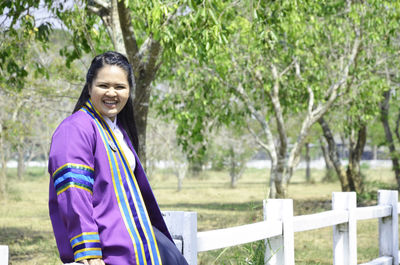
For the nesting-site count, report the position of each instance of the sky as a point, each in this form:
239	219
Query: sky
41	14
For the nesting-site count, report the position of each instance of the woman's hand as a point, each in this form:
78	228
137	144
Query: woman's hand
93	262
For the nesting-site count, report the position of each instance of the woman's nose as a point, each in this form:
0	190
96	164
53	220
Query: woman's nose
111	92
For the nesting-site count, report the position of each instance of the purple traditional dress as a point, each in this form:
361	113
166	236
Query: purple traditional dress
99	207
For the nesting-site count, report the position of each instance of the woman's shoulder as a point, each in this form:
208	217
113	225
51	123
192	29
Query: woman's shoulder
78	121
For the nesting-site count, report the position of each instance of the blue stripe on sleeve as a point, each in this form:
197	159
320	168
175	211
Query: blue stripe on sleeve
83	238
73	175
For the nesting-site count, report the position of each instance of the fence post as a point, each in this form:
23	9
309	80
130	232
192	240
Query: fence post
280	249
4	255
345	235
183	229
388	226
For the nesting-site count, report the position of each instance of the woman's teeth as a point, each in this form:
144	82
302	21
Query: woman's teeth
110	102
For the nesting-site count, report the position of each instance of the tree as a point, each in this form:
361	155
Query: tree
360	109
269	70
18	28
164	148
390	140
233	147
329	167
14	64
149	33
31	112
366	87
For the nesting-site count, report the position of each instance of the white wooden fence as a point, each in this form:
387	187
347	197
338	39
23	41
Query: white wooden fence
280	225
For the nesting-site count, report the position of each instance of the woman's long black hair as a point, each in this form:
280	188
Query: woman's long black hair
126	115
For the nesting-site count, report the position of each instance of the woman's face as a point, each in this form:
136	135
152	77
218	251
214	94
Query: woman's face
110	90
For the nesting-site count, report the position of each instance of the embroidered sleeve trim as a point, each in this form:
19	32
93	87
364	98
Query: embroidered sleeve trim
86	246
73	176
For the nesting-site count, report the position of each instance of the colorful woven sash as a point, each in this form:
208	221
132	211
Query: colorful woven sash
127	191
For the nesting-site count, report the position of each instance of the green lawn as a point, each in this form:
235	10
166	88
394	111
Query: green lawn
25	226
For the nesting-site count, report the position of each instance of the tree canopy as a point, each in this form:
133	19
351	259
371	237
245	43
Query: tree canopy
270	68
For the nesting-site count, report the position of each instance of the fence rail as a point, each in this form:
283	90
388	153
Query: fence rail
373	212
319	220
238	235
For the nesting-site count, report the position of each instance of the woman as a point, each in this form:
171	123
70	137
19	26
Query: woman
101	205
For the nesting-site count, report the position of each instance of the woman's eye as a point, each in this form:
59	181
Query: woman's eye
120	87
103	86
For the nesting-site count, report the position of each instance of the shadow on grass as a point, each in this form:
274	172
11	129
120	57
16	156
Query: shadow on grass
310	206
246	206
24	244
213	185
301	207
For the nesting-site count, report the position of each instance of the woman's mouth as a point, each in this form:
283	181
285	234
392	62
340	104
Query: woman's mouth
110	103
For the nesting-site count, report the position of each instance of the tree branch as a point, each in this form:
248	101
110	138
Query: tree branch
333	89
128	34
258	140
396	131
260	119
104	12
153	55
309	90
313	116
274	96
100	4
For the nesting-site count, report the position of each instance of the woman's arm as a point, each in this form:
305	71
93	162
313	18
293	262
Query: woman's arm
71	165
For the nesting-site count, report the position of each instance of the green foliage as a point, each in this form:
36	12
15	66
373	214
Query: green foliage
87	33
369	196
248	254
255	36
17	32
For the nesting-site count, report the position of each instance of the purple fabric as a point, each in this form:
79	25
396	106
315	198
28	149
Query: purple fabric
76	211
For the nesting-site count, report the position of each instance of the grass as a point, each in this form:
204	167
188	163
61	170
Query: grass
25	226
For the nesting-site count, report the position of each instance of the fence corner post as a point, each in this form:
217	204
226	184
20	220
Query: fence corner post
190	233
345	234
3	254
280	249
388	226
183	229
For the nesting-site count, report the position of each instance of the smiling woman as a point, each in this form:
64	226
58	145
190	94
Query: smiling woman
102	208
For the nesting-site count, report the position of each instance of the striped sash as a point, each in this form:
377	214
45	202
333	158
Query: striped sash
127	191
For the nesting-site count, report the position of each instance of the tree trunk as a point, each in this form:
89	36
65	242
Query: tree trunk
232	167
334	154
21	162
141	111
280	178
3	171
181	170
179	188
308	160
328	162
3	179
389	137
374	152
237	165
145	66
45	152
236	174
272	188
355	153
